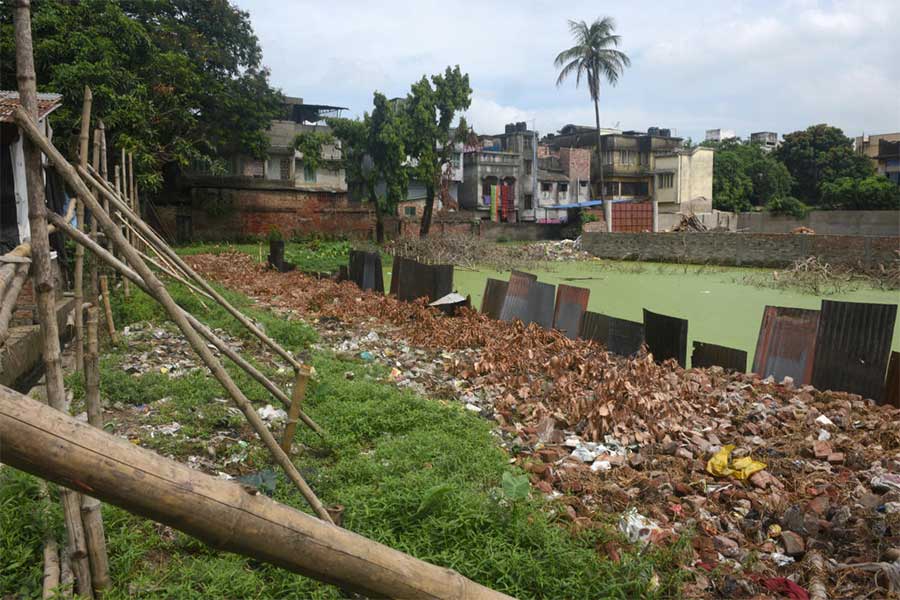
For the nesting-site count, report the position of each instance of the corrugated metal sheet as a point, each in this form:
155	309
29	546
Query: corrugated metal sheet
892	383
515	273
595	327
853	344
418	280
625	337
786	344
540	304
666	337
571	302
710	355
494	295
515	303
365	270
395	275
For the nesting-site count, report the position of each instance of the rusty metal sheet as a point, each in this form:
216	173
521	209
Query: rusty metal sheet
365	270
571	302
666	337
539	307
892	383
713	355
853	344
515	303
625	337
494	294
515	273
595	327
786	344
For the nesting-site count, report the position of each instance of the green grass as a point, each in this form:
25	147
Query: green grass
420	475
310	255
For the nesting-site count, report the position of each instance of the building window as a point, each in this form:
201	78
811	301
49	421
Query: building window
562	188
666	180
284	168
309	174
546	186
528	202
409	211
528	167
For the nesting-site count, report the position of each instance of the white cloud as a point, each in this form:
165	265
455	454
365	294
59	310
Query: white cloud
747	65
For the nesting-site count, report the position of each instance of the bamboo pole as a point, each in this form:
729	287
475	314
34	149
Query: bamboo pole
83	139
90	507
44	285
9	300
161	294
221	513
107	309
162	246
51	568
124	181
129	274
297	395
66	576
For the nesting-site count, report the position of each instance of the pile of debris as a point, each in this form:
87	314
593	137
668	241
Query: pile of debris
690	223
754	468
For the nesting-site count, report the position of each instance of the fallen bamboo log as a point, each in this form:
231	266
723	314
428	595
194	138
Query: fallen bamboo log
223	514
129	275
42	275
161	295
165	249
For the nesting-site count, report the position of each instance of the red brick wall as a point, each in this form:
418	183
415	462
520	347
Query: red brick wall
246	213
576	163
632	217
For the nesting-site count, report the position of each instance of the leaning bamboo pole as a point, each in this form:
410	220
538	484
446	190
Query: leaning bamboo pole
90	507
221	513
129	274
107	309
161	294
123	171
8	306
44	285
161	245
83	138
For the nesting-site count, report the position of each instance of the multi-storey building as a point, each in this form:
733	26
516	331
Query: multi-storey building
883	150
767	140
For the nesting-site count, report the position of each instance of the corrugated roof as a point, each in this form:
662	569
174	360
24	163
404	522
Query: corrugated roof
9	100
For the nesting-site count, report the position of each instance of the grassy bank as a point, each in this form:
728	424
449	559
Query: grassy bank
420	475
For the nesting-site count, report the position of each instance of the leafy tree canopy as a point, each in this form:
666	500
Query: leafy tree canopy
745	175
871	193
173	80
820	154
310	144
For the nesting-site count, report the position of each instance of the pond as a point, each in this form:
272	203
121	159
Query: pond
720	305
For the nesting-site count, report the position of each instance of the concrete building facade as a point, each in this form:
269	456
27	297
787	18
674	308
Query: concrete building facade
719	135
767	140
683	181
883	150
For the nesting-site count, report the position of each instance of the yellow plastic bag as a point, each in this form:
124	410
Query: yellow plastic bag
721	464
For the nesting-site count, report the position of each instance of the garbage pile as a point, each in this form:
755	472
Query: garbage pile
765	476
690	223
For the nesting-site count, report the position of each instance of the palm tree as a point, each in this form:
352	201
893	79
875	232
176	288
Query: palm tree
594	57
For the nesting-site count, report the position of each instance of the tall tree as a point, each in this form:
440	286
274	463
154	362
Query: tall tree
174	80
431	107
745	175
375	158
594	57
820	153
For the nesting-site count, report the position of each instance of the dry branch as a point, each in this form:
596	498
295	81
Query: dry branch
223	514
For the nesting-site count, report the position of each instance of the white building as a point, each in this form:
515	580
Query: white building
719	135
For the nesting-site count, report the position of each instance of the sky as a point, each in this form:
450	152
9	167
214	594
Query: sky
756	65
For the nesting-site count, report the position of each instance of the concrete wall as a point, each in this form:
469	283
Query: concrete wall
764	250
828	222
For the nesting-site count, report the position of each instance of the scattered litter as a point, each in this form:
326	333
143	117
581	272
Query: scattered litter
721	464
271	414
638	528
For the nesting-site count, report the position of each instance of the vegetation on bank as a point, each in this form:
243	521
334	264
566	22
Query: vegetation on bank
420	475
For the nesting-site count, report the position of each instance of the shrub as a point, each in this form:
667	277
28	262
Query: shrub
788	205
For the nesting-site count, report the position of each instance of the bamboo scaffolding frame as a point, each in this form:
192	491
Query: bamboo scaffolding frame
42	276
221	513
129	274
83	139
161	245
161	294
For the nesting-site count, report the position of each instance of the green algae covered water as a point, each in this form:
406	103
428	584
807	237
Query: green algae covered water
720	304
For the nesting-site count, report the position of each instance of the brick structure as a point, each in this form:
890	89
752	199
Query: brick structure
744	249
632	217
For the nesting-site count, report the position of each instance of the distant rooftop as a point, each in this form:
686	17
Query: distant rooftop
9	100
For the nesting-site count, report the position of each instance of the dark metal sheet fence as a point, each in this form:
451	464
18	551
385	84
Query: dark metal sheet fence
515	303
786	344
411	280
365	270
595	327
625	337
540	304
494	295
571	302
710	355
892	383
666	337
853	344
